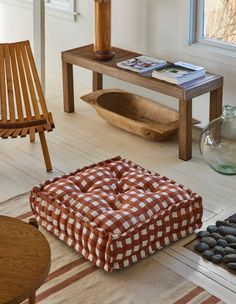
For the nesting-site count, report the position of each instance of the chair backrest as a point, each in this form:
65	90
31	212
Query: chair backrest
21	95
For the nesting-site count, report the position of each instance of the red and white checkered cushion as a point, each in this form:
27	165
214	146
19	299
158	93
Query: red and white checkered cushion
115	212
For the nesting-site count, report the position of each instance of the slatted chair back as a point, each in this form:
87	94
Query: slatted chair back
22	103
23	108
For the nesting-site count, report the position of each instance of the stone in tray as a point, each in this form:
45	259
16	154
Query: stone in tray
230	258
219	250
212	228
211	242
222	243
200	247
225	230
232	219
229	250
225	223
207	254
231	266
216	258
203	233
230	238
232	245
216	236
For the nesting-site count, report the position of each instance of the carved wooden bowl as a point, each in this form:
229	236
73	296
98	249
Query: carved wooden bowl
135	114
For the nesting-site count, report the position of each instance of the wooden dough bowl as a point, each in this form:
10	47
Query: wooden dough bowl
135	114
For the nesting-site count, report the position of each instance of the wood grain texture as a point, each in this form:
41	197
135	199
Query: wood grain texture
25	260
85	58
216	97
68	87
102	25
97	81
135	114
185	129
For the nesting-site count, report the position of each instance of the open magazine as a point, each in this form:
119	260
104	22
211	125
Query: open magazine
142	64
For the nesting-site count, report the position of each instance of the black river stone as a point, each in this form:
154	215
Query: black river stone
230	258
216	259
232	219
229	250
207	254
230	238
222	243
200	247
232	245
231	266
203	233
216	236
222	223
212	228
219	250
224	230
211	242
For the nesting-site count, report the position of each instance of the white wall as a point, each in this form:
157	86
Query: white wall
155	27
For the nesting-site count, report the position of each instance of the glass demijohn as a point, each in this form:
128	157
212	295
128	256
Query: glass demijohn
218	142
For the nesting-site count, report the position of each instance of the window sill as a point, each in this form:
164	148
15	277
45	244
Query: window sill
210	53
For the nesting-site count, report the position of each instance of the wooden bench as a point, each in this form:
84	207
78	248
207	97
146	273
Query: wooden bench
84	57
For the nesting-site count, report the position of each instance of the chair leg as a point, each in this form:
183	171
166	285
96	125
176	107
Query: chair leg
32	135
45	151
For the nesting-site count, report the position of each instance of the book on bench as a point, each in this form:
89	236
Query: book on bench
179	72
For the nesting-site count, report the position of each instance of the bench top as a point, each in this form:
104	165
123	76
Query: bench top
84	57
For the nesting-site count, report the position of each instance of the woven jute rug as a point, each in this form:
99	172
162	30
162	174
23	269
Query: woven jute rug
73	280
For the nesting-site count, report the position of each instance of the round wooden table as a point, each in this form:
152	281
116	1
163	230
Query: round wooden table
25	259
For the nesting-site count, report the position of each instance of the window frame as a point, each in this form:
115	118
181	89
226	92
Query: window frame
196	34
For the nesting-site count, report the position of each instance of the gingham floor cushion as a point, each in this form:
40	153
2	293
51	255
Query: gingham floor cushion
115	212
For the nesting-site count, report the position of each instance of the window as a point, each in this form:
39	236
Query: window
214	23
58	8
66	5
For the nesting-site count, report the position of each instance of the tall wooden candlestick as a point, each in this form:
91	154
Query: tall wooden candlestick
102	46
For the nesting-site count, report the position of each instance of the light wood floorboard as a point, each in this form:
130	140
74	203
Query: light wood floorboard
82	138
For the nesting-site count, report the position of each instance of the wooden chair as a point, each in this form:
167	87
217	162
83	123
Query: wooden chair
23	108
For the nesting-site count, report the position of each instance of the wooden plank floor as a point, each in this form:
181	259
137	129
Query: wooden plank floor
82	137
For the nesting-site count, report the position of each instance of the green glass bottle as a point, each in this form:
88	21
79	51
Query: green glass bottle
218	142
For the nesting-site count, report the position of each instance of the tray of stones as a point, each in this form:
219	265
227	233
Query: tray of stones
217	243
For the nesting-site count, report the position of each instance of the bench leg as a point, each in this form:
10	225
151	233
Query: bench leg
68	87
97	81
185	129
216	98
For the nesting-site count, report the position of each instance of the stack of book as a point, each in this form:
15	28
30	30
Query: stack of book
179	72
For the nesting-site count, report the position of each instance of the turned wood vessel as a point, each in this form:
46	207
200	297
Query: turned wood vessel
102	45
135	114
